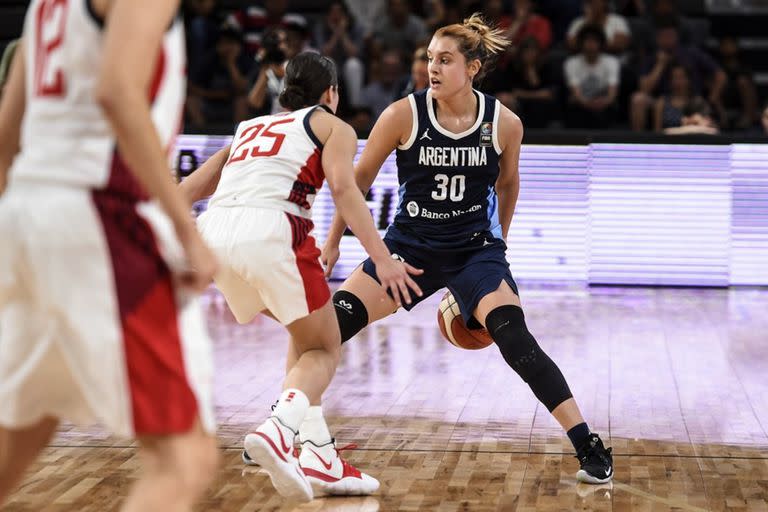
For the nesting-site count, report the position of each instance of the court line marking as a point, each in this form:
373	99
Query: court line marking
652	497
520	452
614	485
426	450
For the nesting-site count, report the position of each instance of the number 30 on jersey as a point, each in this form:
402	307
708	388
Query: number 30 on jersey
449	187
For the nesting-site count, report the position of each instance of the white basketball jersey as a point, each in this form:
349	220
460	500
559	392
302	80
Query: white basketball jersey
274	162
65	136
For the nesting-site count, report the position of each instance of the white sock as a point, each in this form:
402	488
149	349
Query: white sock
314	427
291	408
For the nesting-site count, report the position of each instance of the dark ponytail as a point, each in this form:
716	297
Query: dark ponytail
293	98
307	76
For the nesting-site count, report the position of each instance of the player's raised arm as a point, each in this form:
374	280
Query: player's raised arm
391	130
12	108
338	152
134	33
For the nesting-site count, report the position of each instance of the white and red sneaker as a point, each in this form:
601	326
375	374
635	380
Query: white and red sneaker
329	474
271	447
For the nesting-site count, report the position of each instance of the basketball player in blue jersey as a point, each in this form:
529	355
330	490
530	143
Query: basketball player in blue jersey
457	160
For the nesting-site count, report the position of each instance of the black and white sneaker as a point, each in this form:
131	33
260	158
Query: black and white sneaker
596	462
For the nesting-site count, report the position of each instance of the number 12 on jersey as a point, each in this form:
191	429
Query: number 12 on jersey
50	22
452	187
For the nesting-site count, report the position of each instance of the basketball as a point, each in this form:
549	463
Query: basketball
453	328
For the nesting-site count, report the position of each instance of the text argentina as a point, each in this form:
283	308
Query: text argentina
452	157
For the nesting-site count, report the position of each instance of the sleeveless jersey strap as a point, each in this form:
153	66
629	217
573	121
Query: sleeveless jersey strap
416	110
307	126
494	109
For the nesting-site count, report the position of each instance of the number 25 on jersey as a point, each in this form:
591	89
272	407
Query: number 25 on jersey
249	146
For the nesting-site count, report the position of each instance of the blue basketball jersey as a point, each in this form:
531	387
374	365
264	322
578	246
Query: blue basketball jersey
447	195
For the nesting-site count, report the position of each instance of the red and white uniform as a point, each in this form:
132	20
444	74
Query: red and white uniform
92	327
259	219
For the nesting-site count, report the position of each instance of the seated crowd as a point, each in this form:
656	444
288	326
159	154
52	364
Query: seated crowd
591	64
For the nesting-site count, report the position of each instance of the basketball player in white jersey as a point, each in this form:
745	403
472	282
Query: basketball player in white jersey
98	316
259	222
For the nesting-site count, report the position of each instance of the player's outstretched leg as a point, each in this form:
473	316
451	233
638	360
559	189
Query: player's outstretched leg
505	322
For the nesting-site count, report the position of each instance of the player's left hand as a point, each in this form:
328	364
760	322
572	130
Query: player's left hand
329	255
395	276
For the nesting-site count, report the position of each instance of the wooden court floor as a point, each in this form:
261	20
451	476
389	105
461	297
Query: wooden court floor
676	380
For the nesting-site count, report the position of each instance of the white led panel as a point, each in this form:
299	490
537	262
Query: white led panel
660	214
749	225
605	213
549	236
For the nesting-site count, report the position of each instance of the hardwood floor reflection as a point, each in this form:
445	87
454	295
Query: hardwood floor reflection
675	380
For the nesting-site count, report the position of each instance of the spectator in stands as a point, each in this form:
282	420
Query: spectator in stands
740	95
668	111
278	46
367	13
419	77
383	88
341	39
434	14
561	14
592	77
217	90
297	38
496	13
532	87
655	74
597	12
5	63
400	29
697	119
523	26
202	29
455	12
527	24
254	22
272	58
692	31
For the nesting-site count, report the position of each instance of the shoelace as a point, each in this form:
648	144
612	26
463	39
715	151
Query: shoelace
350	446
593	451
344	463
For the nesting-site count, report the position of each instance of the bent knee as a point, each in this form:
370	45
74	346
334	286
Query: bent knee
351	314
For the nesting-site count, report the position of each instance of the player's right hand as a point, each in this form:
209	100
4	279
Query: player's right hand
329	255
394	276
202	262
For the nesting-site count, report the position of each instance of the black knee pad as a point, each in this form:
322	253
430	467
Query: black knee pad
506	325
350	312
